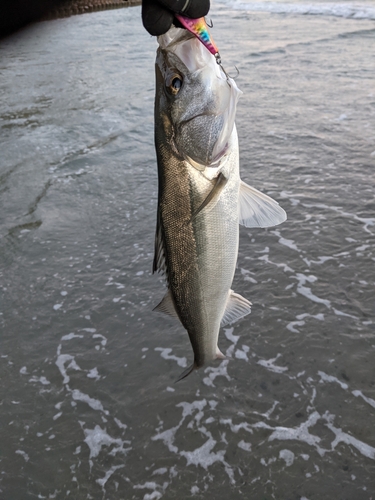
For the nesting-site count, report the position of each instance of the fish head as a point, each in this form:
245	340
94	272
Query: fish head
195	100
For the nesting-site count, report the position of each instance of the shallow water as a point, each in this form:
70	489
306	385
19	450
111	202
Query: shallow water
89	408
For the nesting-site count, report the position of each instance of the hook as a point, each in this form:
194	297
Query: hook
238	72
218	60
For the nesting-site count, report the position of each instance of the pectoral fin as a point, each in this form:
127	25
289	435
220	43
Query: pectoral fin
257	209
219	184
237	307
196	165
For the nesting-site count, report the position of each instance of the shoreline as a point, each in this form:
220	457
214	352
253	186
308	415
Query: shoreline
76	7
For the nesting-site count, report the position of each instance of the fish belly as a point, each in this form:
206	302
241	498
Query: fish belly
201	251
216	232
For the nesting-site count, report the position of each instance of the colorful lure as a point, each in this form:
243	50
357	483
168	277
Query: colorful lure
199	28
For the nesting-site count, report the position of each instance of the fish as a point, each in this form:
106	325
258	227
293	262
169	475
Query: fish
201	198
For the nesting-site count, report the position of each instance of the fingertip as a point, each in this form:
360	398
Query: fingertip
190	8
197	8
156	19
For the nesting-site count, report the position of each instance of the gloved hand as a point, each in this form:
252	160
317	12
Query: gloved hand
158	15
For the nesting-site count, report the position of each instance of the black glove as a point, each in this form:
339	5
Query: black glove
158	15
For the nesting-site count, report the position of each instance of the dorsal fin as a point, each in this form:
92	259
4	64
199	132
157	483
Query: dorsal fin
166	306
159	253
237	307
257	209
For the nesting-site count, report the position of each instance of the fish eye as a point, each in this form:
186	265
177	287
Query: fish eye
174	84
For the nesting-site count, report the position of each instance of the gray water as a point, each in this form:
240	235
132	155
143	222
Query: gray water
88	404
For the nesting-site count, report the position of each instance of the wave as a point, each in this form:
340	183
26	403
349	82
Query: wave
352	10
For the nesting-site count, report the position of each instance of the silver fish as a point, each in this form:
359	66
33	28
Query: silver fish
201	198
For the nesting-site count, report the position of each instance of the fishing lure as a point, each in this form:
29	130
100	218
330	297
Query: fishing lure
199	28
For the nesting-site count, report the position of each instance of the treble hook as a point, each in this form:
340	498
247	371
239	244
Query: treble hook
218	60
238	72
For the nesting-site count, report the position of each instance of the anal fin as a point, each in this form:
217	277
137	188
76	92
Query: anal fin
237	307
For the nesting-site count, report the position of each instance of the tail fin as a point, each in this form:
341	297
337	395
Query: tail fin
219	354
194	366
187	372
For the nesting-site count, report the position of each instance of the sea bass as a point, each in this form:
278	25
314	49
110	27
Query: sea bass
201	198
